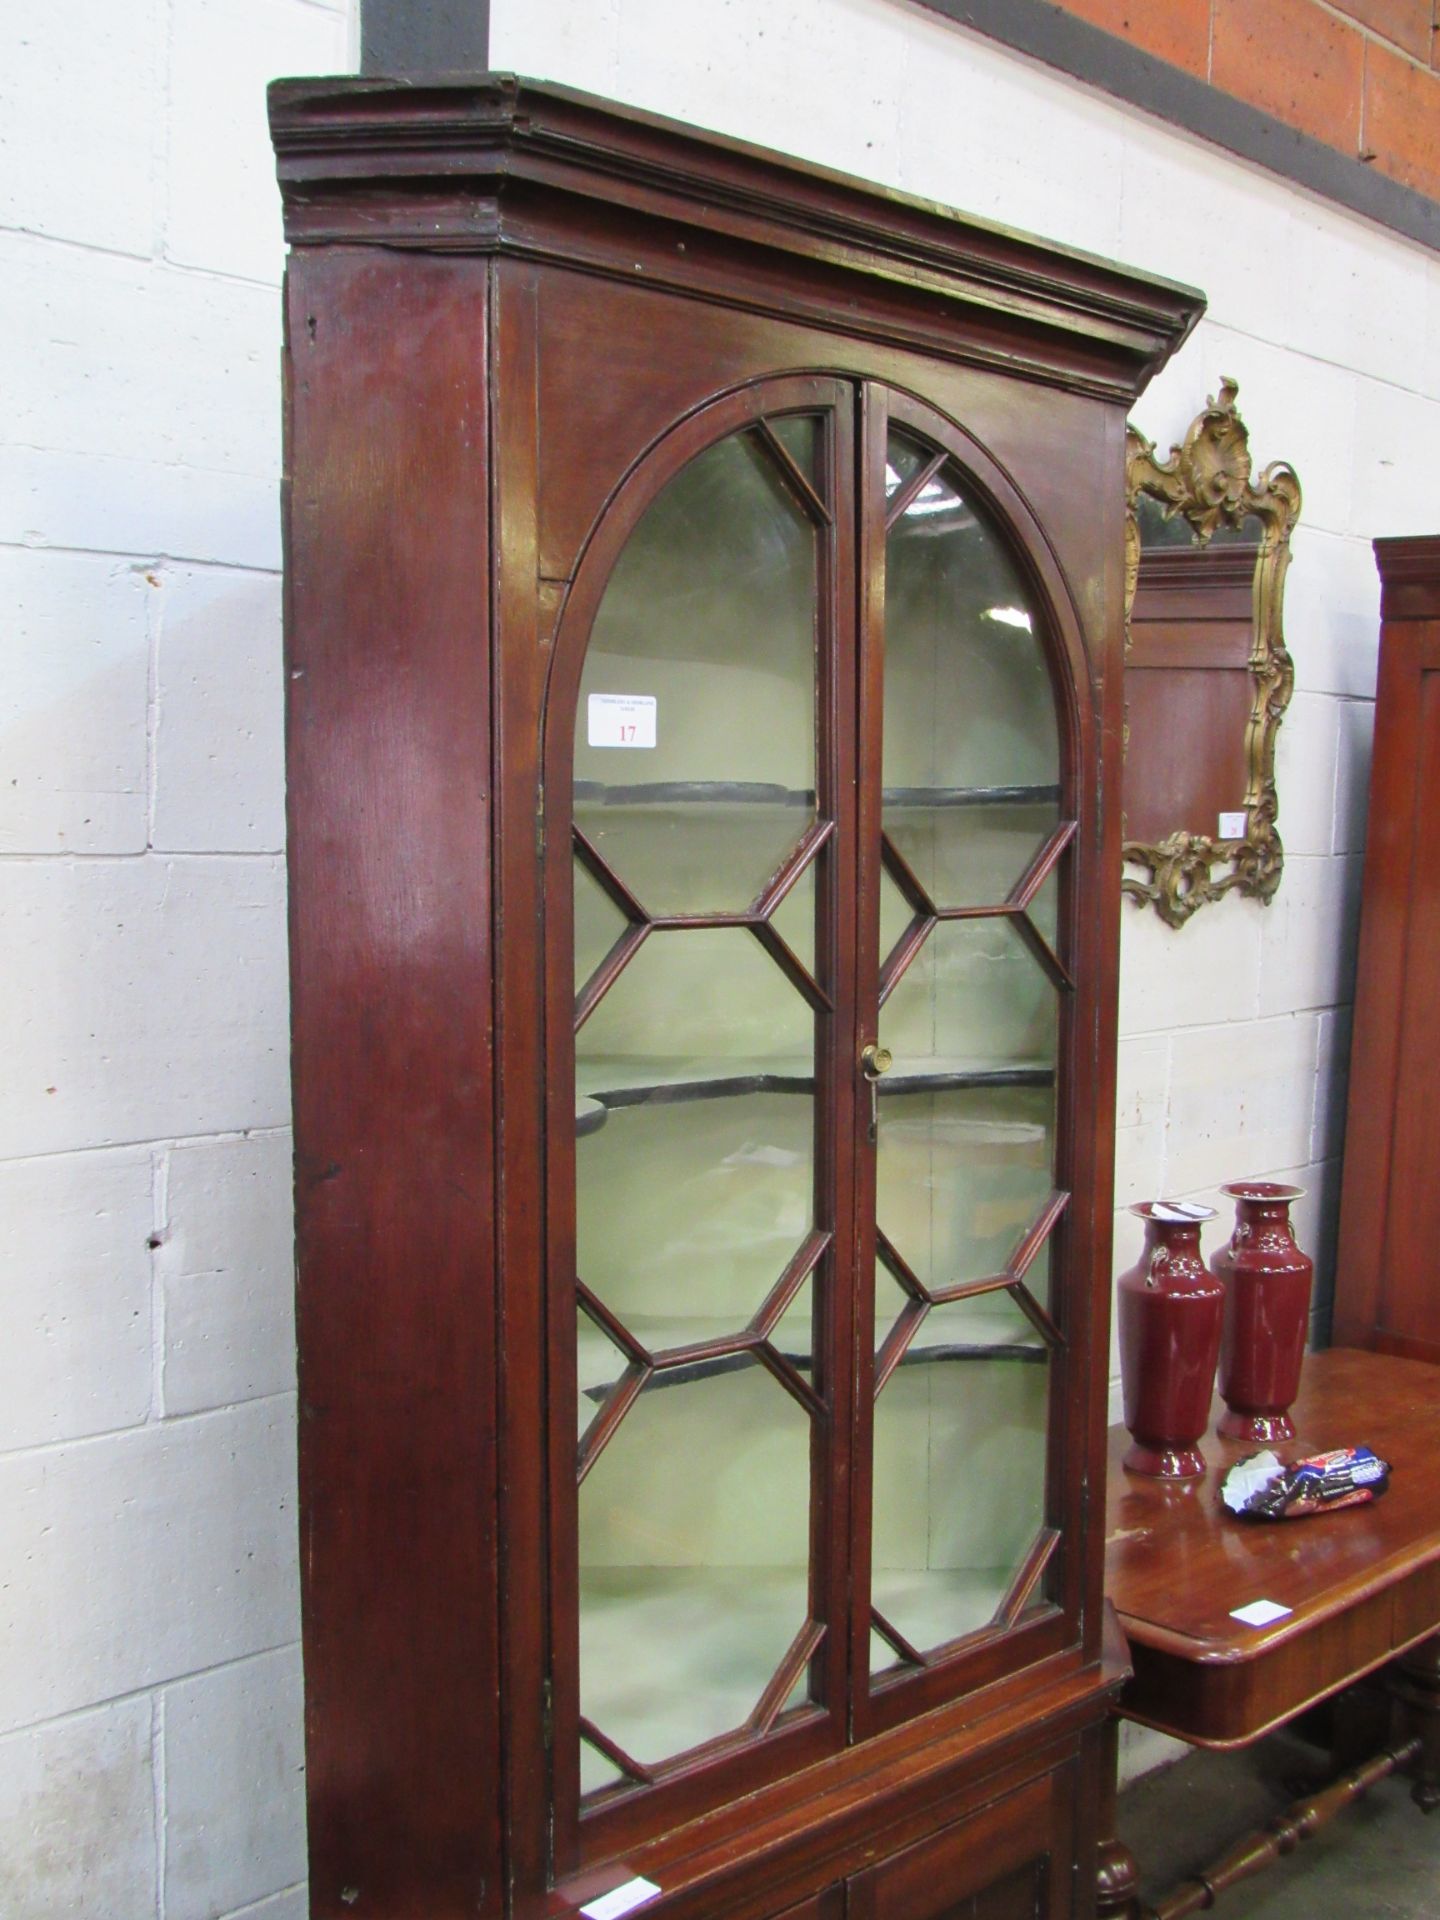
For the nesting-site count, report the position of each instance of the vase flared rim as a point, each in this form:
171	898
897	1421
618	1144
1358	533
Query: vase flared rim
1173	1213
1262	1190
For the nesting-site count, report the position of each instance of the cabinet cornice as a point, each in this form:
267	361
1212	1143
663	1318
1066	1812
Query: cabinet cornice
500	164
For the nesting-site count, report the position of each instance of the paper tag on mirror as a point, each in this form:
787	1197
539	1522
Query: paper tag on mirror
1232	825
621	720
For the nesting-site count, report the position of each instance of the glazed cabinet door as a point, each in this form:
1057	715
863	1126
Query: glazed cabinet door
810	805
965	834
698	1310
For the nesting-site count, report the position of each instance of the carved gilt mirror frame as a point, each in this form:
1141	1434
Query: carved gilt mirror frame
1207	482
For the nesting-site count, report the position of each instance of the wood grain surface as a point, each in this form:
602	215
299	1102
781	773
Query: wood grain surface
1360	1585
513	314
1385	1295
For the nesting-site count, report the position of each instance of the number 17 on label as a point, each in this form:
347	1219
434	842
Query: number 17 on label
620	720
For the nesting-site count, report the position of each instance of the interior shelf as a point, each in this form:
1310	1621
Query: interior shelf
692	793
941	1073
604	1083
627	1080
756	793
927	799
656	1336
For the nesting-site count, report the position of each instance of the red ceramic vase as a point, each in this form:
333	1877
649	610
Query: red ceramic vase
1267	1312
1169	1309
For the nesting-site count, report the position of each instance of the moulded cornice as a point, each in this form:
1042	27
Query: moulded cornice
501	164
1409	576
1171	567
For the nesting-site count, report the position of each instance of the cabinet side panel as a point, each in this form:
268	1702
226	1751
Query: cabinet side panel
1407	1320
389	803
1100	592
1380	992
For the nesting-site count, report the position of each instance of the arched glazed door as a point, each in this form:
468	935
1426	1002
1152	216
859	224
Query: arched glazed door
813	725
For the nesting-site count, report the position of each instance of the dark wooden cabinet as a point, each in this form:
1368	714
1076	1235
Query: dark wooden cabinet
1386	1293
703	613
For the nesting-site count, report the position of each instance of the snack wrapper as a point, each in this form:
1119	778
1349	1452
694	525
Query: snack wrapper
1262	1487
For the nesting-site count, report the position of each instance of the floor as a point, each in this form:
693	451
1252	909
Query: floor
1380	1860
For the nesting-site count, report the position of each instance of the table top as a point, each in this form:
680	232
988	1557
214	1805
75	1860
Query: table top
1359	1583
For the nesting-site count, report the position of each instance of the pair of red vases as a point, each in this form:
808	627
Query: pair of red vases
1249	1309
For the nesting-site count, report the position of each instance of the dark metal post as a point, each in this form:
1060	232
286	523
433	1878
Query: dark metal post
399	38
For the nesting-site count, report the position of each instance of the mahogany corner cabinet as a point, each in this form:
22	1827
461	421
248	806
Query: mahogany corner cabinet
704	581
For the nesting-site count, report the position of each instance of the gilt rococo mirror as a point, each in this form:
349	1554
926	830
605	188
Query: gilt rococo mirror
1207	675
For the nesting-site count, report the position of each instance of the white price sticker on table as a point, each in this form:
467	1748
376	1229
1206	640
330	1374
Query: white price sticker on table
621	720
1260	1613
619	1900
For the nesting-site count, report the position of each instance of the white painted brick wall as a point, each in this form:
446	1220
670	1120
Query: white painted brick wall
150	1746
73	704
224	1266
219	747
149	999
234	1768
78	1352
149	1743
77	1817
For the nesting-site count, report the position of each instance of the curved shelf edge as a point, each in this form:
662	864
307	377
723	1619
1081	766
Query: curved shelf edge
764	793
594	1106
722	1363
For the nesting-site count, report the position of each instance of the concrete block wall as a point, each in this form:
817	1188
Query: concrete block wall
150	1746
150	1752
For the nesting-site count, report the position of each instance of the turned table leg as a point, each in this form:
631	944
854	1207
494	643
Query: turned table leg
1415	1682
1117	1882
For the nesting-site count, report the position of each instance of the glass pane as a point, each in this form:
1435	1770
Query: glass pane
600	1367
985	1327
968	699
694	1549
793	1336
891	1300
688	1214
961	1175
973	1000
799	434
799	1695
968	855
1044	909
794	918
903	460
599	923
697	1010
596	1772
965	1138
883	1656
712	849
695	776
696	789
896	914
959	1465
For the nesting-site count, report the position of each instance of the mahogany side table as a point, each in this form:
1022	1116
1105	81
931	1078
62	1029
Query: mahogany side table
1359	1589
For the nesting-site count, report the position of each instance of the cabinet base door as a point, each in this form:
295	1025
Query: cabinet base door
1010	1861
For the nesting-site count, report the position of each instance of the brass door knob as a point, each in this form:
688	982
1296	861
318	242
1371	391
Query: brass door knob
875	1060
